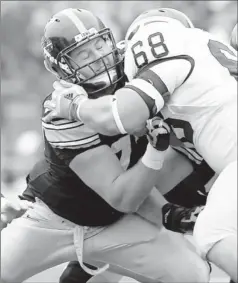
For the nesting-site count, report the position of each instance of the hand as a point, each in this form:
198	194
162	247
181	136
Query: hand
180	219
66	98
13	209
158	133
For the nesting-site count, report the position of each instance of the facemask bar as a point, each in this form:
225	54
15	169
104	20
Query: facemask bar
73	74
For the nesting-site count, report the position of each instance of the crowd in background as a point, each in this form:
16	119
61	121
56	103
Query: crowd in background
25	82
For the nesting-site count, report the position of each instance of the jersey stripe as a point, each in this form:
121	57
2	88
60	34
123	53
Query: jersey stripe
87	144
62	126
78	142
69	135
151	77
193	152
188	153
147	89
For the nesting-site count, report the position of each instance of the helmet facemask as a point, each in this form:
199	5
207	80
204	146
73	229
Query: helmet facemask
104	81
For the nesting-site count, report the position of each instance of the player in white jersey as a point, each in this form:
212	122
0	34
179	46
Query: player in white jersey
188	76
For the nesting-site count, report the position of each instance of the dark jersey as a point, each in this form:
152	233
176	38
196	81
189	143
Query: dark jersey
52	180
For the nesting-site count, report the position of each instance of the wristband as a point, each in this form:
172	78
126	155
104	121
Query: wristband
153	158
116	116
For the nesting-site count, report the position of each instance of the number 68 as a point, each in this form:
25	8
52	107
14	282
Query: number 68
158	49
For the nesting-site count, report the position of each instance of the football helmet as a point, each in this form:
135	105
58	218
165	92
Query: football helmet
163	13
71	29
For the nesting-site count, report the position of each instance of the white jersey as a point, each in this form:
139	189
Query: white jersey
186	74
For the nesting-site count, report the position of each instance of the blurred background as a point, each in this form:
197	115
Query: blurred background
25	82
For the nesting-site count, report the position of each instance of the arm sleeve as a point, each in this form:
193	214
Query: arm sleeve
64	139
156	82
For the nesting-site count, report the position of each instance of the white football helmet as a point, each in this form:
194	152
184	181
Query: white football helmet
167	14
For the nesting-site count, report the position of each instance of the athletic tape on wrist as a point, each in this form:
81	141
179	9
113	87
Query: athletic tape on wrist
153	158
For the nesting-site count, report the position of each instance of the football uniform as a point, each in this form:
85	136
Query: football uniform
218	220
49	233
190	77
61	189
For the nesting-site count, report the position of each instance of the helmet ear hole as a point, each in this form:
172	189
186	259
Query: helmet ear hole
53	68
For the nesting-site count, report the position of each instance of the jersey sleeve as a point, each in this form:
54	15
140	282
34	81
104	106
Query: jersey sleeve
159	80
71	135
69	138
156	63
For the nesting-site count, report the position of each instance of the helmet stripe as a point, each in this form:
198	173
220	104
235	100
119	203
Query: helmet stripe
77	22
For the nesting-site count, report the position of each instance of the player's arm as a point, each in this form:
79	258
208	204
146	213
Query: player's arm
84	151
125	112
101	170
143	97
130	107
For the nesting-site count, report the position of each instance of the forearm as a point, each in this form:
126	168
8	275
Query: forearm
97	114
150	209
134	185
124	112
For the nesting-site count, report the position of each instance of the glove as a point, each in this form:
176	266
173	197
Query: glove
180	219
65	102
12	209
158	133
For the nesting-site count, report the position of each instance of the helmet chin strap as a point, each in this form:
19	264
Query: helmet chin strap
101	85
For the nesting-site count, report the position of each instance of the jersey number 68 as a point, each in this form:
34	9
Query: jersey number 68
157	48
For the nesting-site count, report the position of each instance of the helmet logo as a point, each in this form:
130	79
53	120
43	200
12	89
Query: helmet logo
83	35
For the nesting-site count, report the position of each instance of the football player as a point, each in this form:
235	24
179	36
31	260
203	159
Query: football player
89	186
188	77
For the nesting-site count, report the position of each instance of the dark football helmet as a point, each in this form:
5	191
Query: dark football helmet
71	29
